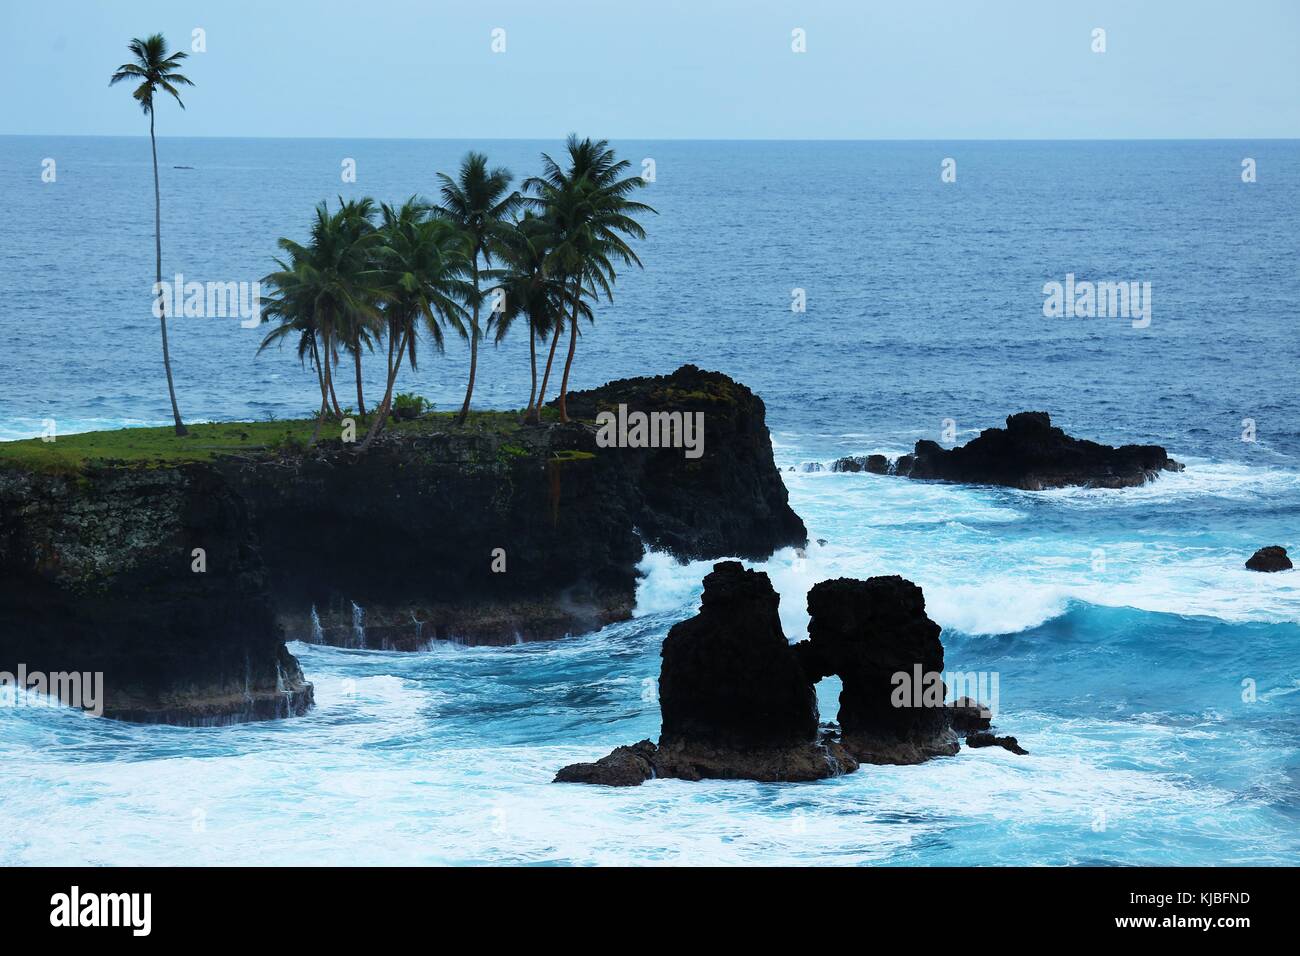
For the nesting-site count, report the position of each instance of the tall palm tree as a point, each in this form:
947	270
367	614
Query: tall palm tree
156	70
477	201
589	216
423	263
531	292
358	329
325	285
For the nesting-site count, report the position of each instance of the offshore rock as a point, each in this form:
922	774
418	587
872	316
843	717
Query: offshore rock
730	679
1270	559
1032	454
867	632
738	700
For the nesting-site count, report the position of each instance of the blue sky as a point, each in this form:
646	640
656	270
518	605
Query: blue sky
667	69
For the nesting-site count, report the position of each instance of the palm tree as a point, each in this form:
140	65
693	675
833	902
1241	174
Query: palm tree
327	284
477	201
422	263
155	70
531	292
358	329
589	215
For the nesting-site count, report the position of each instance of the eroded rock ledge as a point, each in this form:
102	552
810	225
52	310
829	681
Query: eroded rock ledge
1030	453
391	549
97	575
738	700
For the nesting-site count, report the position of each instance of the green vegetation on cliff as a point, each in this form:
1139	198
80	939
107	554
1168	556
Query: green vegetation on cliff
204	442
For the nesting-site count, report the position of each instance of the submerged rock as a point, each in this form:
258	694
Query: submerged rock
1032	454
969	716
986	739
875	464
1271	558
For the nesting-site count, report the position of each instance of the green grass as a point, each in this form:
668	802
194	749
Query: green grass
145	446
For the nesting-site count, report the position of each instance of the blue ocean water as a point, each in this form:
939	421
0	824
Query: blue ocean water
1121	623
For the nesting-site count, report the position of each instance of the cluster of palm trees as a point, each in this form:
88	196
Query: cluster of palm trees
382	276
379	276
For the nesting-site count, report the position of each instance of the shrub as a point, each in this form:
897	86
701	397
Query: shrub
407	406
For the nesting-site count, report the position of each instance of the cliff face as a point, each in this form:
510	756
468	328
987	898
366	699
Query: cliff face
730	502
97	575
486	536
494	537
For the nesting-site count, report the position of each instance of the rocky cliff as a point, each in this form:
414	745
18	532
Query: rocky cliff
99	573
479	534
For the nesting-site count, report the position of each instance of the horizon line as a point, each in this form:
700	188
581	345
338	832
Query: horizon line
693	139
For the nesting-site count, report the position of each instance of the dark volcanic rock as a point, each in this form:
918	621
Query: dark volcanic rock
96	575
625	767
867	632
1032	454
738	700
390	549
415	564
735	700
969	716
729	503
875	464
986	739
729	677
1271	558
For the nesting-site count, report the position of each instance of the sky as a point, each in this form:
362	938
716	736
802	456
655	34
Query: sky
661	69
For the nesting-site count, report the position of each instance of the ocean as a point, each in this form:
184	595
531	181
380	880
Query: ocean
1154	681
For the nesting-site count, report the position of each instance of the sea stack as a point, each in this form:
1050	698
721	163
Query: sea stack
738	700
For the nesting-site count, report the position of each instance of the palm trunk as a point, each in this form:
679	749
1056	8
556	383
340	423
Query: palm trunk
320	420
330	357
532	363
541	395
381	416
568	362
473	348
320	374
361	401
162	311
324	391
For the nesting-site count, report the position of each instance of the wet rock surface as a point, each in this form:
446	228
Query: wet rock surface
97	574
738	700
1029	453
730	678
866	632
987	739
1270	559
484	535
